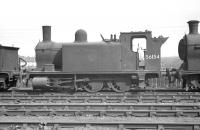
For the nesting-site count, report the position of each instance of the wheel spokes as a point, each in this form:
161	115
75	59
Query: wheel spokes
94	86
120	86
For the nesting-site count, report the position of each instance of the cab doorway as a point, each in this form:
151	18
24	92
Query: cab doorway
139	47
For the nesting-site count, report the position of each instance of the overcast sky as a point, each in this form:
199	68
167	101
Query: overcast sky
21	20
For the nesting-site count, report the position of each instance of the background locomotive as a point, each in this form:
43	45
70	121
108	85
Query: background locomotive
93	66
189	53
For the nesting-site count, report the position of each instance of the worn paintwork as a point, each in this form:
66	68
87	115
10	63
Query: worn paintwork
84	57
81	55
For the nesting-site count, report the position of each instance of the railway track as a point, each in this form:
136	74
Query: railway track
106	109
153	97
100	111
94	116
106	123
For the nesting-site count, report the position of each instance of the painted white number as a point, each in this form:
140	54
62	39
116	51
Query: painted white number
152	57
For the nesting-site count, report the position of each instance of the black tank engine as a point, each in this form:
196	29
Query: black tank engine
93	66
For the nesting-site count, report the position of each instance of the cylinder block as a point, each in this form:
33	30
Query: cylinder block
40	82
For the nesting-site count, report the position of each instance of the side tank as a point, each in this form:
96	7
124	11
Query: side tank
85	57
189	48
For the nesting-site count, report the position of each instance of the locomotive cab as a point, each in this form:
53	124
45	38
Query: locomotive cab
149	68
152	50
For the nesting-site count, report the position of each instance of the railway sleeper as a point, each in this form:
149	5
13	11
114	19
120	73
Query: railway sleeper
96	106
107	113
99	100
91	123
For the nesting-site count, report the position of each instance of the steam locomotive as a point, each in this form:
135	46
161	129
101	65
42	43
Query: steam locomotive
189	53
107	65
94	66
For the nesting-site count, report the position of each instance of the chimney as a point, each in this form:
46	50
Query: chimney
193	26
111	37
115	38
46	33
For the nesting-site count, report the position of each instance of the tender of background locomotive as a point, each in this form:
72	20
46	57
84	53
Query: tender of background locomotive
9	67
189	52
110	64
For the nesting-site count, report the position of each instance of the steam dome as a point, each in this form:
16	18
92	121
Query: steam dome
80	36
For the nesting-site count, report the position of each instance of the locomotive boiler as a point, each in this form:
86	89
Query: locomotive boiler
93	66
189	53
